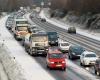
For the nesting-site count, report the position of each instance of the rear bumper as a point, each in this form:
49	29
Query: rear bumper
75	57
89	63
57	65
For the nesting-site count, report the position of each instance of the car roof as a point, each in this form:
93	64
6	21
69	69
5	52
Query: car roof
76	47
54	52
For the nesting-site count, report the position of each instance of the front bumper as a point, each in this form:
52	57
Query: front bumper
40	51
75	56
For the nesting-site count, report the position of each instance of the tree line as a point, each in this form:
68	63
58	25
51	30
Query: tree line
80	6
12	5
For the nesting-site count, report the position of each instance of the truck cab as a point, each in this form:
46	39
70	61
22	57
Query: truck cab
20	28
53	38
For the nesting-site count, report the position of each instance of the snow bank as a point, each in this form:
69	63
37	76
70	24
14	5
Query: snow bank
13	70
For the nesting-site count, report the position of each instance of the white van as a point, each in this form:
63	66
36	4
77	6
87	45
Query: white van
64	46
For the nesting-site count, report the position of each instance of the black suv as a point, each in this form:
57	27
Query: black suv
43	20
97	67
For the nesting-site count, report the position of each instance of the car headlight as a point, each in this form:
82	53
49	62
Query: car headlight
56	40
47	49
73	53
52	62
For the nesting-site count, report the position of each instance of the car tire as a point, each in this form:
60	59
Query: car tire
81	64
95	72
30	53
26	50
70	57
99	73
16	37
47	66
64	69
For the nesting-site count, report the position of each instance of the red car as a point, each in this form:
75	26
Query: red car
56	59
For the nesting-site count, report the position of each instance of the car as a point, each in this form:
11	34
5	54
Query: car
75	51
88	58
9	24
64	46
55	60
72	30
97	67
43	20
32	15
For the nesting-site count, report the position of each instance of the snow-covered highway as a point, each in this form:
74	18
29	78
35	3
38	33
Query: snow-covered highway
35	68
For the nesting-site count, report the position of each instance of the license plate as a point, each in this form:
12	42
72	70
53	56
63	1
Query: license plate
92	62
58	65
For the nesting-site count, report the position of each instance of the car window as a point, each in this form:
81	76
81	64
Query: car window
64	44
77	50
56	55
90	55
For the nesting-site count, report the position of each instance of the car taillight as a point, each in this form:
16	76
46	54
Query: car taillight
63	62
52	62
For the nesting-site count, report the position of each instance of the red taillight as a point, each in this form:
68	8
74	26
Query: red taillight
63	62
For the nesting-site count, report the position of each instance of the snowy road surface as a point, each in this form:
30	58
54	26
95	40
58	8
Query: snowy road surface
3	75
35	68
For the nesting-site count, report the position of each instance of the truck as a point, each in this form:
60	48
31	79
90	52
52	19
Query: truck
36	44
53	38
20	28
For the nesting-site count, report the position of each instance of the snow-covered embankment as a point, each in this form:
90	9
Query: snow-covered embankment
12	69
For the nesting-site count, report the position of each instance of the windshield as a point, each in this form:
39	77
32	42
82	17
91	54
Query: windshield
21	22
77	50
56	55
40	38
22	28
90	55
52	37
64	44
